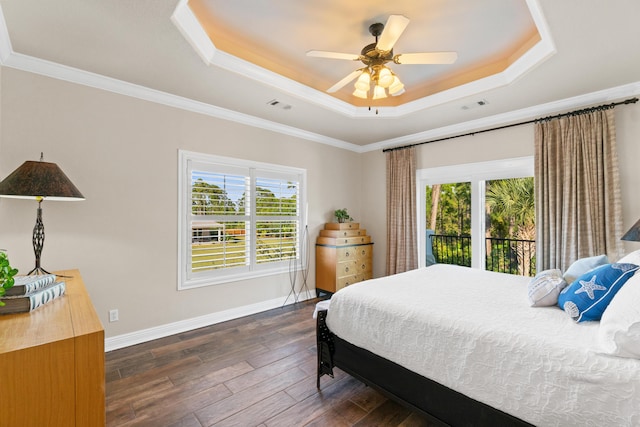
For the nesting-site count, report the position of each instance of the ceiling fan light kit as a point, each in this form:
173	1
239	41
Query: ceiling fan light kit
375	55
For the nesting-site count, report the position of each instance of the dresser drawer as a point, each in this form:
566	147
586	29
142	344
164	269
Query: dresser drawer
341	282
344	281
343	233
353	252
343	241
348	268
342	226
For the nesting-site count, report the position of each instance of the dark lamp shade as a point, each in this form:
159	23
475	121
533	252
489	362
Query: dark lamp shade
633	234
36	180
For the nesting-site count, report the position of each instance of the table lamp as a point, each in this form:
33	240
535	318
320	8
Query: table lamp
39	180
633	235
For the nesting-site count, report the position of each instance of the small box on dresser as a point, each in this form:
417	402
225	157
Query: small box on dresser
344	256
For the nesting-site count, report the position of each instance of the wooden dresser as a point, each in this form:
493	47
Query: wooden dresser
344	255
52	362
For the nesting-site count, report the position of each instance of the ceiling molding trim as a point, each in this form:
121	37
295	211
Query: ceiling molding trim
188	25
5	41
11	59
262	75
539	53
535	56
85	78
525	114
191	29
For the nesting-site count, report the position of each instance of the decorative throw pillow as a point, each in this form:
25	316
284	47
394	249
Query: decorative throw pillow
544	288
619	330
581	266
588	297
631	258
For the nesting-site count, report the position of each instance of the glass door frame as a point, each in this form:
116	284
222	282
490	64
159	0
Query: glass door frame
477	174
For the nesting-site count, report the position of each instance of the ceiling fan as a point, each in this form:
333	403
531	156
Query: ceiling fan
375	55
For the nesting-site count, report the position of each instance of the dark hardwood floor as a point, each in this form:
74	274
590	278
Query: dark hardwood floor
259	370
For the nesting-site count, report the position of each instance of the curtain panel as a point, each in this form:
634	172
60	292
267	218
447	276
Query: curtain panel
578	208
402	249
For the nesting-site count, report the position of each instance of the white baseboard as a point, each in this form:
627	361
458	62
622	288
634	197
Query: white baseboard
138	337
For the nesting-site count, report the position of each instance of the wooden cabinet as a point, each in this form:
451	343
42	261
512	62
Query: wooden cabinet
344	255
52	362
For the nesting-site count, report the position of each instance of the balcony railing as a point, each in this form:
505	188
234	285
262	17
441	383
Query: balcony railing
512	256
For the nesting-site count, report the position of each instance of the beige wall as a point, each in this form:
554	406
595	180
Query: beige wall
121	153
502	144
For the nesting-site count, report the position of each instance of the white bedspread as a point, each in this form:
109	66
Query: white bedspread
474	331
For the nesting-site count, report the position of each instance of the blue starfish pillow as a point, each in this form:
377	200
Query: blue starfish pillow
589	295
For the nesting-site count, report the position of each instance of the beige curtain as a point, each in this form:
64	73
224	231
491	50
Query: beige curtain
401	211
578	210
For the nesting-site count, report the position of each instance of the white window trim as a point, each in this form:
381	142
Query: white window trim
476	174
184	231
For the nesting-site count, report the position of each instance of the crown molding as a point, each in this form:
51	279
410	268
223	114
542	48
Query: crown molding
11	59
188	25
512	117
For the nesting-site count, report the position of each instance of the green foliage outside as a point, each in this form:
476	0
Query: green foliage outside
226	245
452	211
510	217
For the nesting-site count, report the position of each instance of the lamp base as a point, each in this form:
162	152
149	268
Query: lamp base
38	271
38	241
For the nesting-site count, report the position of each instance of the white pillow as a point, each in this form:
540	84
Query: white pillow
581	266
544	288
619	330
631	258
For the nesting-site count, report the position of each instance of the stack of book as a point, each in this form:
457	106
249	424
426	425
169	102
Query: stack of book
30	292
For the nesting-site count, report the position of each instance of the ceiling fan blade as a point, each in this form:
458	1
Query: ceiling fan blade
344	81
426	58
393	29
333	55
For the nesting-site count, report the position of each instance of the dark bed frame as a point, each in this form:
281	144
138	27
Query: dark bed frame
438	403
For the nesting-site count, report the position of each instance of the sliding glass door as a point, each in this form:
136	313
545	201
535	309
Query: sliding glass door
479	215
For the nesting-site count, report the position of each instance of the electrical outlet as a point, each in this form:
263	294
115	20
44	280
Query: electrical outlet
113	315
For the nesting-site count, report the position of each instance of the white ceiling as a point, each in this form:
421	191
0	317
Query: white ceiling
157	50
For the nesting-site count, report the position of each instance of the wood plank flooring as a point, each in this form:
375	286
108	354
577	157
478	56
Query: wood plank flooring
259	370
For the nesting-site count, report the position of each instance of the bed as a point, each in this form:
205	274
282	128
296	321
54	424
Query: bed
464	347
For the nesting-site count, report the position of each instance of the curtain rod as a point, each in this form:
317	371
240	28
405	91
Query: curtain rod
572	113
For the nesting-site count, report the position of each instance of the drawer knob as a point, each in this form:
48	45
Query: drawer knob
346	253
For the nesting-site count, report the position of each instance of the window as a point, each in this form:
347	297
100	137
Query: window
238	219
465	224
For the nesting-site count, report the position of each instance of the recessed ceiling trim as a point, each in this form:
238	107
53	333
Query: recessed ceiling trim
11	59
191	29
525	114
42	67
5	41
262	75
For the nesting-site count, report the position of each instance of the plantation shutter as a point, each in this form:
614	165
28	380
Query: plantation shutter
240	221
277	217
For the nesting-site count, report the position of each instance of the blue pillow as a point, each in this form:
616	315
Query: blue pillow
581	266
589	295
